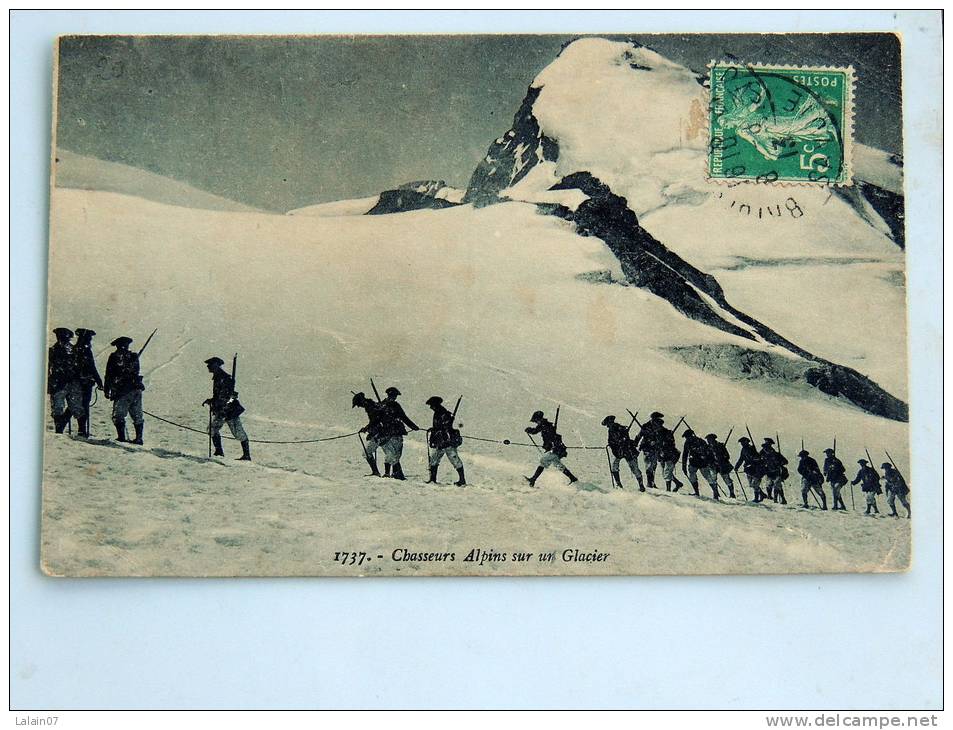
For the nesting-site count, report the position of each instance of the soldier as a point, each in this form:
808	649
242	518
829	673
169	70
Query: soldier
373	430
225	408
622	447
811	478
87	377
60	374
698	458
896	489
553	448
657	445
836	476
721	462
754	469
775	470
444	440
868	477
123	386
394	419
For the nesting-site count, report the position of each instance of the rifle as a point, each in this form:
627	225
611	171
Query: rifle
635	419
750	437
455	410
679	424
835	444
234	367
148	340
376	394
556	419
892	462
729	435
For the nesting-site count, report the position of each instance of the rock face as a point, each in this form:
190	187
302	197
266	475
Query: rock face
648	264
417	195
576	113
511	156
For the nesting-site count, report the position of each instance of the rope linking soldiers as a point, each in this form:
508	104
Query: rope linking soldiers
72	376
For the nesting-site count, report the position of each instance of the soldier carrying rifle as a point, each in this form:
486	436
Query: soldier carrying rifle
444	440
224	407
657	445
123	386
60	376
622	446
374	430
836	476
554	450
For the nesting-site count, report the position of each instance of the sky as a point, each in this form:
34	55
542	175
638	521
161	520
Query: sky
284	122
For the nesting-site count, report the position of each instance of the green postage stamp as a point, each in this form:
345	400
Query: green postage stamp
780	123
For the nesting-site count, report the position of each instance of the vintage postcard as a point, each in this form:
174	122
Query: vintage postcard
476	305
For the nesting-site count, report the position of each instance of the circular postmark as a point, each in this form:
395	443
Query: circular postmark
779	124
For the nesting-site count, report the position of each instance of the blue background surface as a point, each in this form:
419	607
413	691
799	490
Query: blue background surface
784	642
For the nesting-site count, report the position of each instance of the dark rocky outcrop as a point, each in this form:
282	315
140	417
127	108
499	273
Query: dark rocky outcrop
649	264
511	156
888	205
417	195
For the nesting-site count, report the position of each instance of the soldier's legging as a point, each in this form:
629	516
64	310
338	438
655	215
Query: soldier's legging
450	452
393	448
818	490
550	459
838	500
633	466
726	478
774	487
58	402
70	397
710	476
370	448
754	481
131	404
871	500
891	496
652	460
234	425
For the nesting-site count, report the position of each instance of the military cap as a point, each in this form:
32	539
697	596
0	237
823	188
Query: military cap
81	332
120	341
802	452
710	437
537	416
215	362
392	391
357	400
63	332
861	461
607	420
688	432
769	441
828	451
886	465
656	414
434	400
744	440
